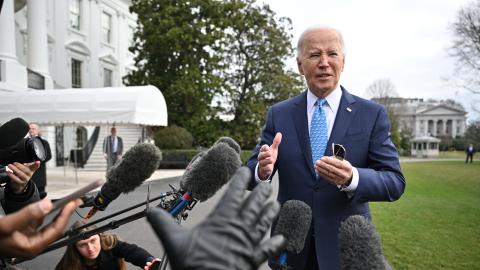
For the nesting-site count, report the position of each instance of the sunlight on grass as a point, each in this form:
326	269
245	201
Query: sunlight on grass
436	223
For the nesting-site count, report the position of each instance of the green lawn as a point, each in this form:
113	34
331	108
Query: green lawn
452	154
436	223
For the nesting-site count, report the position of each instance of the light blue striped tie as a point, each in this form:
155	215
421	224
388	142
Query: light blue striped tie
318	131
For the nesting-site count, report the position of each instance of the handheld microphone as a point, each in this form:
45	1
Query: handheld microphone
293	223
207	173
138	164
360	246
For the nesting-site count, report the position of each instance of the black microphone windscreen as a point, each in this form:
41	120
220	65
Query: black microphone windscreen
12	132
210	170
360	246
137	165
293	223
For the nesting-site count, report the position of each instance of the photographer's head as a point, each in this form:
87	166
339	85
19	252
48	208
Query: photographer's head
85	252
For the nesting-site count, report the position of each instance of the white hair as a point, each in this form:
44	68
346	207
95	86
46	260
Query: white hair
317	27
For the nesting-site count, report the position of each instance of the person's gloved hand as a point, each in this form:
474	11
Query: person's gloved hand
230	236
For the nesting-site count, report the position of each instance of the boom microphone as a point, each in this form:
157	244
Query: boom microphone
293	223
138	164
360	246
208	172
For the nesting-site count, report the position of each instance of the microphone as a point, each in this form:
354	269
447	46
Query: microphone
360	246
12	132
207	172
138	164
293	223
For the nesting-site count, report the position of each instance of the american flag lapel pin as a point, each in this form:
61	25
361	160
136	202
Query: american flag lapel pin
349	110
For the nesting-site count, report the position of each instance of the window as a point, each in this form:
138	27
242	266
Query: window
75	14
106	27
76	73
107	77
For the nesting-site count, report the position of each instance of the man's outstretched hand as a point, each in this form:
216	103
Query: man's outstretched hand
230	237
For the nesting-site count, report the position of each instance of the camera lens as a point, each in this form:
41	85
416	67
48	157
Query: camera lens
27	150
38	151
34	149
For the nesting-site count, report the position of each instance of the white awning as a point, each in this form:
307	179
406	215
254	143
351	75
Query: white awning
137	105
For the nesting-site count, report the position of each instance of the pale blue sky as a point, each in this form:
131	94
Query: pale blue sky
403	40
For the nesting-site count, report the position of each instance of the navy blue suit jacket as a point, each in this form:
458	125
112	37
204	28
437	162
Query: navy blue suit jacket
363	128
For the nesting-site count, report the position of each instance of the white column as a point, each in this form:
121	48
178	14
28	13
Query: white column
417	127
13	75
38	39
454	127
444	128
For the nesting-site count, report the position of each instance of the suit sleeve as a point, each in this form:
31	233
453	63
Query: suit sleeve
48	152
105	140
266	137
382	180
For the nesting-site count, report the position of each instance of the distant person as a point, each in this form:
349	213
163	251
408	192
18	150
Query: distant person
112	148
40	176
470	152
104	251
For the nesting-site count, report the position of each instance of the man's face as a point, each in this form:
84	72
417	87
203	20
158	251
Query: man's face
34	130
321	61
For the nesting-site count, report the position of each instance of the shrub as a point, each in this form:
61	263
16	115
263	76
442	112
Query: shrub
173	137
177	159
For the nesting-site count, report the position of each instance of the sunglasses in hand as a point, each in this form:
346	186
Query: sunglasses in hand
338	151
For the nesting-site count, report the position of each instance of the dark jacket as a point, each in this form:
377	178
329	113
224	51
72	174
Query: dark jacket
12	202
108	259
363	128
40	176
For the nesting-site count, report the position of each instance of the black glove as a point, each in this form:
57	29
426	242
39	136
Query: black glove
229	238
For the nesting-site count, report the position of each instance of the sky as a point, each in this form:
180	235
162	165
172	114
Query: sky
405	41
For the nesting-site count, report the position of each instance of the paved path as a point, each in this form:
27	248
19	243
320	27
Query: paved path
62	181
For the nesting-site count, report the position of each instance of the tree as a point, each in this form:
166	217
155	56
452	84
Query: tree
472	134
175	44
257	46
466	47
219	64
383	91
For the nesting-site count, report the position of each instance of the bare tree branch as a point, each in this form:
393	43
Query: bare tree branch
466	46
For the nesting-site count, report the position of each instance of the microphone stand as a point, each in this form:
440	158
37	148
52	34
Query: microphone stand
75	235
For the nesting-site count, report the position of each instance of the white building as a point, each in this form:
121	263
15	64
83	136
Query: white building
57	44
428	118
427	121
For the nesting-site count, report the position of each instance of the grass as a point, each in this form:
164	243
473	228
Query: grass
452	154
436	223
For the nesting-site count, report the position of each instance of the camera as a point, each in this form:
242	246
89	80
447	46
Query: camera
16	148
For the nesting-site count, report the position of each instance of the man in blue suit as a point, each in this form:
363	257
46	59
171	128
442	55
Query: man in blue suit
327	113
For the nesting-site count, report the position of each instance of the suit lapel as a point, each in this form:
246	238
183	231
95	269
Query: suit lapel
299	114
346	112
